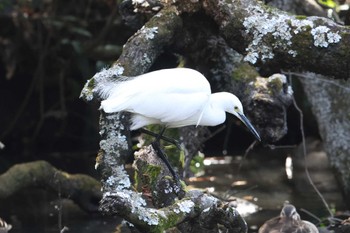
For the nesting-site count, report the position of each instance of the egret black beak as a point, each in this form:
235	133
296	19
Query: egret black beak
245	120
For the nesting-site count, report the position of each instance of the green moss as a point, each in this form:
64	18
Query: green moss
275	85
146	176
136	180
269	9
91	83
169	222
87	92
183	186
152	172
244	73
300	17
166	18
197	163
301	42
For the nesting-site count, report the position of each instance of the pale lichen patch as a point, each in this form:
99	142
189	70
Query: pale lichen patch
149	216
145	59
261	24
120	180
87	92
149	32
301	25
134	199
281	27
104	80
186	206
206	210
139	3
114	141
168	189
323	36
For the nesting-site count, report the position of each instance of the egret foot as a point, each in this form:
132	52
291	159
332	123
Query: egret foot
162	156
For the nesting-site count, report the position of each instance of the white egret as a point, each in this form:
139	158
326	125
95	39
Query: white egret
171	97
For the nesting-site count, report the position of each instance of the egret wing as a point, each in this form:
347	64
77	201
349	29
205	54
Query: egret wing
175	97
170	108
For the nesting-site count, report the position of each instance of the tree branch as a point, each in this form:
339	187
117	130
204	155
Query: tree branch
82	189
272	37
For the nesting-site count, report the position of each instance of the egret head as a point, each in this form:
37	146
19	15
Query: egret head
238	112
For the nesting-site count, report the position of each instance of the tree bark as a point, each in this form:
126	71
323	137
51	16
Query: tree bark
174	207
272	37
330	104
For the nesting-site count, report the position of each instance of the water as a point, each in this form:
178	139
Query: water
260	178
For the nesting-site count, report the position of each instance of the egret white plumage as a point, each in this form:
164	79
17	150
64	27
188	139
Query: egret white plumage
4	227
172	97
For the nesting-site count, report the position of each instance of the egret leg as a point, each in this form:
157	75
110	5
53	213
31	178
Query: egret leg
162	156
161	136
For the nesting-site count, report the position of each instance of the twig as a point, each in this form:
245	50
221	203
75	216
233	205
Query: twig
227	136
59	208
245	155
37	80
304	154
64	229
21	108
331	82
104	31
311	214
62	90
274	147
214	133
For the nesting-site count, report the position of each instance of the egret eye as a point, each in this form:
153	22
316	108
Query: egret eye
236	108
